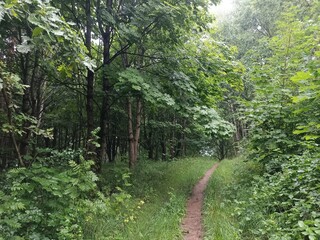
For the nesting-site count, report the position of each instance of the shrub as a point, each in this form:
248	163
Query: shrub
286	205
46	203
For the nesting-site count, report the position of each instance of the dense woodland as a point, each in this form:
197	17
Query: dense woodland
98	96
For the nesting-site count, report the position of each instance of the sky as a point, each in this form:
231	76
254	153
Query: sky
223	9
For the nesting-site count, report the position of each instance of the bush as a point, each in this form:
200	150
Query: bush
46	203
62	202
285	205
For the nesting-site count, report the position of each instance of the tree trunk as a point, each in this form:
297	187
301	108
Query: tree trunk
183	139
138	127
131	135
104	114
90	147
150	145
134	134
8	103
172	142
163	150
25	108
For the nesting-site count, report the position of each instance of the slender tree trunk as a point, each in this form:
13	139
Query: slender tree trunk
131	135
183	139
59	138
90	148
150	145
55	137
163	150
25	108
32	100
40	101
173	140
134	133
113	147
10	121
104	114
138	127
66	140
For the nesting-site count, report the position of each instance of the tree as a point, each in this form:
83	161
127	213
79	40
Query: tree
33	36
145	66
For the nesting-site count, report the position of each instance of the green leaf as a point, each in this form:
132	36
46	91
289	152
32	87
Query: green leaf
37	31
33	19
58	32
297	99
301	224
300	131
311	137
301	76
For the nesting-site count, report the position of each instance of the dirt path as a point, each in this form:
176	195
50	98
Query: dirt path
191	224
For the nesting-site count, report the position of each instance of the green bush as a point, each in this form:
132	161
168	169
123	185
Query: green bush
46	203
59	202
285	205
229	185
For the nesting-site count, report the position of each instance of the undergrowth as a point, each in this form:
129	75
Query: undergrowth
229	184
68	201
243	202
160	189
285	205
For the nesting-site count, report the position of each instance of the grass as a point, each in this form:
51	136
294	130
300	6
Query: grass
164	187
229	182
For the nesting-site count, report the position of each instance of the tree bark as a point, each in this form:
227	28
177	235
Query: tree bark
25	107
138	128
10	121
134	134
163	150
131	135
104	113
90	147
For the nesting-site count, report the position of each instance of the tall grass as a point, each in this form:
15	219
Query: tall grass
229	183
164	188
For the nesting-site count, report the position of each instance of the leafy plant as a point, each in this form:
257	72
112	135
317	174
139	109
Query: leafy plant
44	203
289	201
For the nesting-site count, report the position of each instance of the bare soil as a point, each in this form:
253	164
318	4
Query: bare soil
192	222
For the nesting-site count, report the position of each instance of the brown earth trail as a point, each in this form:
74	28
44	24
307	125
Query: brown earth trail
191	224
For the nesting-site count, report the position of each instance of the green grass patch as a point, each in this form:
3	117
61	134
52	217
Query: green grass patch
229	183
162	187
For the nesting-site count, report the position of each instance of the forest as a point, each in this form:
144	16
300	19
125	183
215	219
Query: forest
112	110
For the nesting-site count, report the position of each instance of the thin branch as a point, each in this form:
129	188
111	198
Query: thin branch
10	121
69	87
146	56
145	32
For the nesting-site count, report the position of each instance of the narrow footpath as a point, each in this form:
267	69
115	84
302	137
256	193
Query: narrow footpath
192	222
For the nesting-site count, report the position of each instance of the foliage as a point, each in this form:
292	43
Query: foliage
143	85
82	57
230	184
285	205
68	65
250	205
272	139
49	31
10	86
46	203
274	114
58	202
